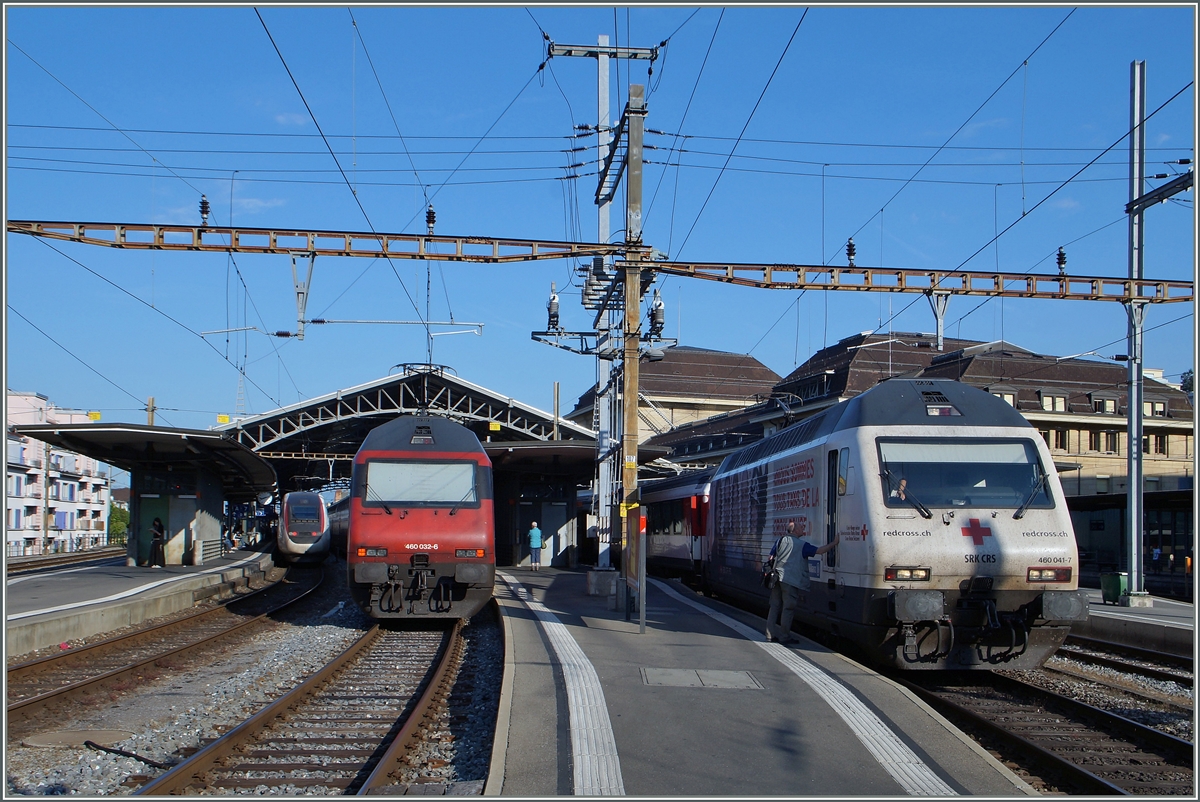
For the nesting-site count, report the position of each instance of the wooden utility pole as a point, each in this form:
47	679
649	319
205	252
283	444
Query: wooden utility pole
634	552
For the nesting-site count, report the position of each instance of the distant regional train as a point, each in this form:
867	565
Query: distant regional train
956	550
420	521
339	522
303	530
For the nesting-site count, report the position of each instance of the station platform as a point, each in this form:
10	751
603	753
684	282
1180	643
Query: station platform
1168	625
701	705
49	607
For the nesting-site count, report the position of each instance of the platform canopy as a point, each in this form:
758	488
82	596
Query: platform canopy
314	441
133	447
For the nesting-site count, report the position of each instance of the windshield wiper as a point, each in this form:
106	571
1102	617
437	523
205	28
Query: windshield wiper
1032	495
459	503
908	496
369	491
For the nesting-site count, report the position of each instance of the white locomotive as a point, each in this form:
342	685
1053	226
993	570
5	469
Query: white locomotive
956	551
303	534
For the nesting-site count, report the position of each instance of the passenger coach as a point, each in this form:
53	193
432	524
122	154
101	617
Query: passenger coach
956	547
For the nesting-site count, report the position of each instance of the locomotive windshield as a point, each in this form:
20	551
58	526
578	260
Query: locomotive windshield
962	472
306	515
428	483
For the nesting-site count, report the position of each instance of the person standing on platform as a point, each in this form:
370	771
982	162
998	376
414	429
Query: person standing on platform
158	541
535	546
791	571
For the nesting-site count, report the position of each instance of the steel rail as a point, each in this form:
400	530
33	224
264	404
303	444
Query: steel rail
1144	694
437	688
25	708
183	775
22	565
1157	738
1087	782
1180	660
1124	665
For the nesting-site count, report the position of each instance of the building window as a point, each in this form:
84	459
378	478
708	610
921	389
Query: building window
1102	483
1060	440
1008	398
1103	441
1155	444
1106	405
1054	403
1154	409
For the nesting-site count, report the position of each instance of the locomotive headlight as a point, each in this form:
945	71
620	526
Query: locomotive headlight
897	574
1048	575
468	552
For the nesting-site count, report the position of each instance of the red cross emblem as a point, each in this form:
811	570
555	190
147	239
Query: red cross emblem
976	531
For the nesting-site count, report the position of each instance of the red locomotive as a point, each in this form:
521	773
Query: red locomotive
421	536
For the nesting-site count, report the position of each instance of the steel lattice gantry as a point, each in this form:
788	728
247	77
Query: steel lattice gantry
497	250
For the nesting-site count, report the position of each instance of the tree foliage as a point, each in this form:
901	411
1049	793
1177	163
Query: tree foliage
1185	381
118	520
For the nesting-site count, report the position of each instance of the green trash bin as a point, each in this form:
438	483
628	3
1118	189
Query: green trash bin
1113	586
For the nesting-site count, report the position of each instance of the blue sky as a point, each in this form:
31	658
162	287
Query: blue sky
859	101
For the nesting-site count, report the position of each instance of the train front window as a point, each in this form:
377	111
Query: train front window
420	483
306	515
962	473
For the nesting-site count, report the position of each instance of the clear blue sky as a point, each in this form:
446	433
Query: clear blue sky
865	96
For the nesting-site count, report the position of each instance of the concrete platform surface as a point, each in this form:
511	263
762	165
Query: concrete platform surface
49	607
1166	626
701	705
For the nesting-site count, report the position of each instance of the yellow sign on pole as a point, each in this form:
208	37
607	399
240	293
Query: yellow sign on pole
95	415
222	418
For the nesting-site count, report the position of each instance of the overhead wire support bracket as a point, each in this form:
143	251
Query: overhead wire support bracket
1173	187
593	51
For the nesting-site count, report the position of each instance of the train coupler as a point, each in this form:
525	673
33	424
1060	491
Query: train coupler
911	650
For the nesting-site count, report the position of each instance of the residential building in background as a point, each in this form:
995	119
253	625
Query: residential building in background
55	500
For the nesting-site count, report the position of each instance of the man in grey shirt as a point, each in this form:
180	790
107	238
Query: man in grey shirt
791	572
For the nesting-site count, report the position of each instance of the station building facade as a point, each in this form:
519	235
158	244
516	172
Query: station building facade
55	500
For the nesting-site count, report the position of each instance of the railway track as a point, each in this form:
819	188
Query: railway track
345	730
1073	747
36	689
24	565
1144	662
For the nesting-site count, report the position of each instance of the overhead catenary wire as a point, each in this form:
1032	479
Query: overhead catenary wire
744	127
972	115
386	102
1052	193
102	117
354	194
687	107
77	358
181	325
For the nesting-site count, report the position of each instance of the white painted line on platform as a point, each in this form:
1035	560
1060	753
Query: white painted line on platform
44	574
885	746
1143	618
132	591
597	767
